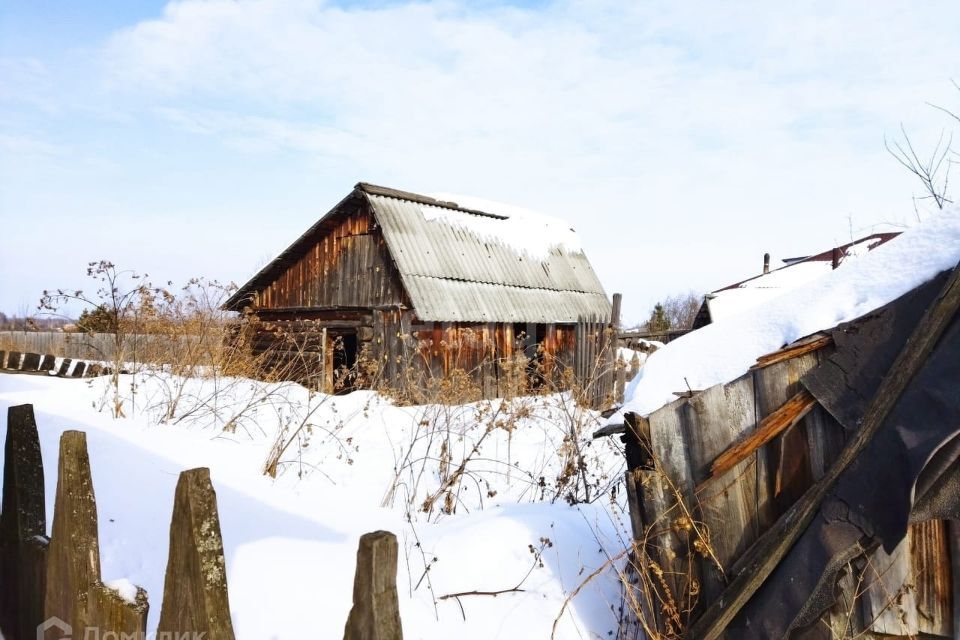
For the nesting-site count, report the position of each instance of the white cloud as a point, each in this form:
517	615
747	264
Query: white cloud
676	136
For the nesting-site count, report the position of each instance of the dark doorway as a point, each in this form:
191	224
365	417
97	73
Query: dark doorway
345	354
529	338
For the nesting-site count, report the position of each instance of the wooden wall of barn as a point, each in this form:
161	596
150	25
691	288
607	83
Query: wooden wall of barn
348	266
413	352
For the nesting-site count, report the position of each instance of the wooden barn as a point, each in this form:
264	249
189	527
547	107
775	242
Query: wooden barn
425	286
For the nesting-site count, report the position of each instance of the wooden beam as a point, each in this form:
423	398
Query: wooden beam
792	351
764	556
792	411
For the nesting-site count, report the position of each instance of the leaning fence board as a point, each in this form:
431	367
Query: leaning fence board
195	588
73	558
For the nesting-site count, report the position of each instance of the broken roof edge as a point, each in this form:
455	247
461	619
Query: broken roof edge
823	256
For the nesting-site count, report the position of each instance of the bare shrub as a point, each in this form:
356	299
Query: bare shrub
126	300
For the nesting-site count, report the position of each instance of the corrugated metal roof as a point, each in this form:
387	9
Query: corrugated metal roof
442	299
452	272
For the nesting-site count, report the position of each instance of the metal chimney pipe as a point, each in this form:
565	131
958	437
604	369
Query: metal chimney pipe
766	263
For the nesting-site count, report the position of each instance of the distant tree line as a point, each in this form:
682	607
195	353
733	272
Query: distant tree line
674	313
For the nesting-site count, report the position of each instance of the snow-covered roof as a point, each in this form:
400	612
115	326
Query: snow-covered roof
741	296
724	350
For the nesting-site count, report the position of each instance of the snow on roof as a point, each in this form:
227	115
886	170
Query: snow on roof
753	292
526	231
726	349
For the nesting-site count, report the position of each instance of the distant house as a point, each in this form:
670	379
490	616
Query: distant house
743	295
414	281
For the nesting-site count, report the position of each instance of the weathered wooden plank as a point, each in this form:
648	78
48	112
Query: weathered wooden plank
886	592
668	497
22	519
932	577
375	614
788	472
79	369
667	596
953	538
770	427
776	542
195	589
794	350
716	418
73	557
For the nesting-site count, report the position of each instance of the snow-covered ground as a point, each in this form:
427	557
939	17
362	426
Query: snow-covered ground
357	465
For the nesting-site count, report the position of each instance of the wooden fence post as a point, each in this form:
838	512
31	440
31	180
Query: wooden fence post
73	558
195	589
618	379
376	608
23	523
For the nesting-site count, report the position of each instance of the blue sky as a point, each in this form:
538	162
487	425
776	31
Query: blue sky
682	140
